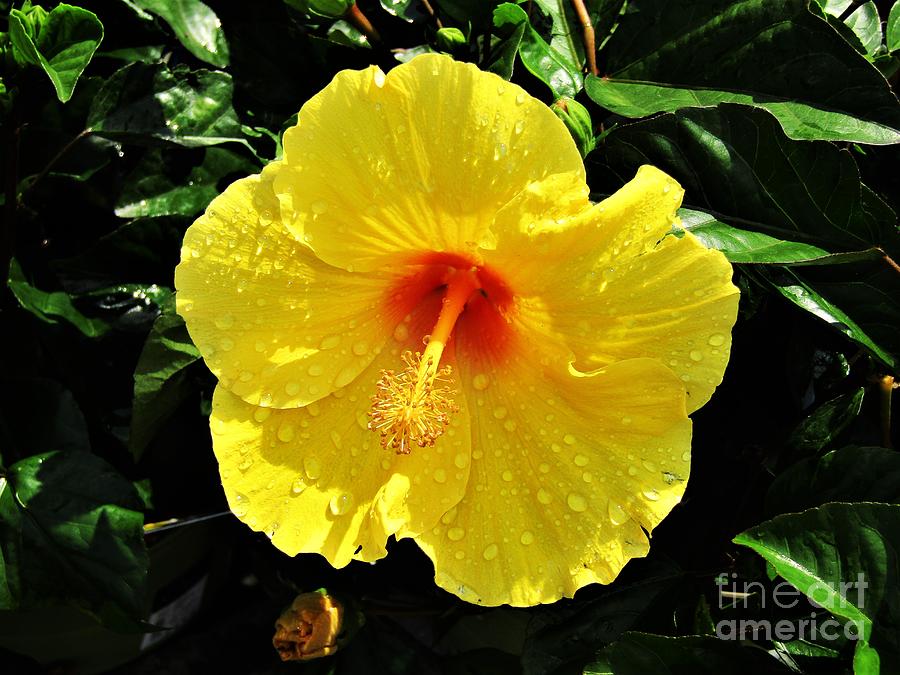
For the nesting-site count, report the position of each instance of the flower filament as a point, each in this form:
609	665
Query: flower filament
413	406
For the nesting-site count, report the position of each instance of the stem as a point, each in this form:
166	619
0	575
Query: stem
590	48
361	22
430	10
11	192
886	385
58	156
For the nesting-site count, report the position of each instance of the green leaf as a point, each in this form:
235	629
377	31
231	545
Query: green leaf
565	31
156	186
827	422
52	306
866	24
843	557
874	311
62	45
850	474
160	378
195	25
798	120
124	306
640	653
736	162
892	29
147	103
543	61
408	10
778	54
744	246
148	54
343	33
71	531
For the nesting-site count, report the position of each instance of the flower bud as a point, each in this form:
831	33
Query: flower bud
309	628
578	121
450	39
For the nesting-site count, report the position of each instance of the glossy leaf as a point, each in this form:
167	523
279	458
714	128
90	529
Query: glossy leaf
62	45
754	177
892	29
851	474
827	422
144	103
779	51
800	121
866	24
195	25
71	531
542	60
160	378
843	558
640	653
154	188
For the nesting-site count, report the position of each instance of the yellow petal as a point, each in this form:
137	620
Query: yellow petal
317	480
611	283
277	326
419	159
567	468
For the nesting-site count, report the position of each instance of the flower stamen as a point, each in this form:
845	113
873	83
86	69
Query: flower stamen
413	406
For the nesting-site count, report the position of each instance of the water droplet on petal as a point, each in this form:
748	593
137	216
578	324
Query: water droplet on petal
544	468
225	322
632	470
246	464
298	486
292	388
480	382
340	504
526	538
581	460
617	514
507	476
576	502
544	497
716	339
401	332
360	348
312	467
569	439
461	461
455	533
286	433
240	505
490	552
261	414
440	476
652	495
696	355
500	412
330	342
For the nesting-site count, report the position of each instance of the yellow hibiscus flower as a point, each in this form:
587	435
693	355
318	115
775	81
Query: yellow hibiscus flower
423	328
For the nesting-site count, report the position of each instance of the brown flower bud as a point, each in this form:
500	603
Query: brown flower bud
309	628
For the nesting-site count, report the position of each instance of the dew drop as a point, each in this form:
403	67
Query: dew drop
225	322
292	388
480	382
336	439
401	332
569	439
285	433
440	476
509	425
544	468
652	495
500	412
587	477
519	126
246	464
526	538
581	460
686	456
632	470
312	467
360	348
330	342
696	355
261	414
298	486
340	504
520	98
716	340
455	533
226	344
544	497
314	370
617	514
507	475
576	502
490	552
240	505
461	460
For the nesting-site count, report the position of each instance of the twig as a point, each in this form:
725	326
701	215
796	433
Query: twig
430	10
590	48
58	156
361	22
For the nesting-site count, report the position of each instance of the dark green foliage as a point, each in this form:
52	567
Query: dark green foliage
122	120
